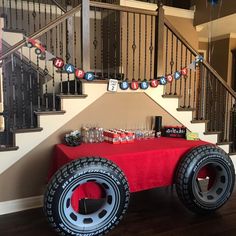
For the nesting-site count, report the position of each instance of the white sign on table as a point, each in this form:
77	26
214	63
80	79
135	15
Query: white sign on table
113	85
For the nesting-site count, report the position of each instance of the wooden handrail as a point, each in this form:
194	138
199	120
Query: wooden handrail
42	31
122	8
59	6
195	53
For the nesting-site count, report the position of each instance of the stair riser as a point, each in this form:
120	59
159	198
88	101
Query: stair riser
72	106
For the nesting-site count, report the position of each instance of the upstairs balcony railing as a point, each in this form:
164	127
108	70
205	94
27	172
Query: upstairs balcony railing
114	42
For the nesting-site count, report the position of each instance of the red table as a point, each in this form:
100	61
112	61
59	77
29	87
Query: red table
146	163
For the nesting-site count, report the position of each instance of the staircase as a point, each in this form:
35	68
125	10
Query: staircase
128	44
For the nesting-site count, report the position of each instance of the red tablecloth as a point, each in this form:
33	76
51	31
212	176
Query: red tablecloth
146	163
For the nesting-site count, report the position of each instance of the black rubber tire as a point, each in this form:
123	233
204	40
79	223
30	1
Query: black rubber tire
187	184
59	211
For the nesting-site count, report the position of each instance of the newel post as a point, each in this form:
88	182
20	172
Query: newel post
85	19
159	42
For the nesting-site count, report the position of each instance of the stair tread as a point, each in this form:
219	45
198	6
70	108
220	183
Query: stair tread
14	30
199	121
186	109
4	148
171	96
38	129
224	143
50	112
232	153
73	96
212	132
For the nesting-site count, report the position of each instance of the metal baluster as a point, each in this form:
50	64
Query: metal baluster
22	16
108	46
39	4
145	49
176	63
133	46
51	30
5	11
222	114
95	42
202	92
67	56
22	87
185	78
115	45
218	106
151	48
31	115
3	7
75	42
56	33
139	47
16	13
209	77
13	80
38	86
80	37
227	117
127	46
166	61
10	13
221	105
61	53
31	100
45	18
102	45
77	81
46	86
190	83
34	16
198	106
181	66
53	50
5	104
195	91
215	102
211	113
28	18
121	51
171	59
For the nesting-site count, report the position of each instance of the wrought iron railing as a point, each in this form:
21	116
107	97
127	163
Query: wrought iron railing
123	42
31	84
202	90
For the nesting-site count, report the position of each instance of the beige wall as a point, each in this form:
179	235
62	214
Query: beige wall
232	46
132	110
220	57
186	29
205	11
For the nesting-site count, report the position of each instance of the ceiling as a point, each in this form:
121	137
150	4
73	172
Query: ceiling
218	28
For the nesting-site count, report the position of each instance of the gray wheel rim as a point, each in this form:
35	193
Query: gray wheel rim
95	220
219	187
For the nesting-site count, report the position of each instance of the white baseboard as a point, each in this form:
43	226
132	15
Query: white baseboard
8	207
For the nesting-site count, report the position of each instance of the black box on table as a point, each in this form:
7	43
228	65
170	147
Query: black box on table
174	131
